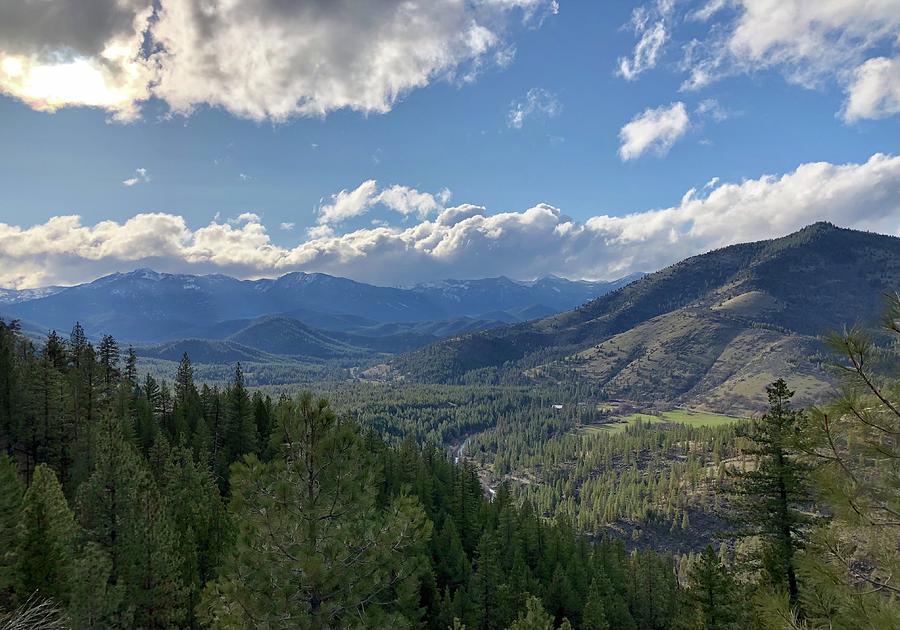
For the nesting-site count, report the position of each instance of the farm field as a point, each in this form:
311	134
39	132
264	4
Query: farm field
680	416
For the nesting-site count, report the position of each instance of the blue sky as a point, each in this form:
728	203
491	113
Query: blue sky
205	156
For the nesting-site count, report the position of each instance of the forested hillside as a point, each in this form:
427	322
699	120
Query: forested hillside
131	503
711	330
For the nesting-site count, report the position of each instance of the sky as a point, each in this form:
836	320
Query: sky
400	141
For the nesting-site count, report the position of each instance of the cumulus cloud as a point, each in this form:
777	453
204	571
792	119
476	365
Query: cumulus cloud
140	177
287	226
811	42
808	41
244	217
260	59
467	240
653	130
875	90
401	199
538	103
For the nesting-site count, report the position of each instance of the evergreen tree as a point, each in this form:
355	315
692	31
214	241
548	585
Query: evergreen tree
850	560
713	594
492	607
11	492
78	343
131	372
107	499
151	568
10	377
534	617
771	499
451	564
47	414
97	600
239	436
262	418
197	516
55	350
313	549
46	535
594	615
186	403
108	358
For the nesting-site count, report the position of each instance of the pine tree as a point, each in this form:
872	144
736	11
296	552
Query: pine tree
240	430
11	492
713	593
151	568
131	372
48	399
122	512
593	617
46	535
55	350
534	617
770	499
77	344
491	603
197	515
313	548
107	503
451	564
10	396
108	358
262	418
97	601
186	404
850	561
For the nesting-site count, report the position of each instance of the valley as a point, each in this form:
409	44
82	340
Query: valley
626	418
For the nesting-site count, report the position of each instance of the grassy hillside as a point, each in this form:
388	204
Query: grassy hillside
710	330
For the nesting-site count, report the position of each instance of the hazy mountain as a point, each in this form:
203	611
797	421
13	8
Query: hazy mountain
13	296
145	305
712	329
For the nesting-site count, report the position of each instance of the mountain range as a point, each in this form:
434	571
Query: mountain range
299	314
710	331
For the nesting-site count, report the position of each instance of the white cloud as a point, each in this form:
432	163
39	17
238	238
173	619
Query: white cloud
710	108
259	59
650	24
646	52
349	203
708	10
320	231
538	103
244	217
140	177
653	130
408	201
875	90
848	43
810	42
467	241
287	226
401	199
